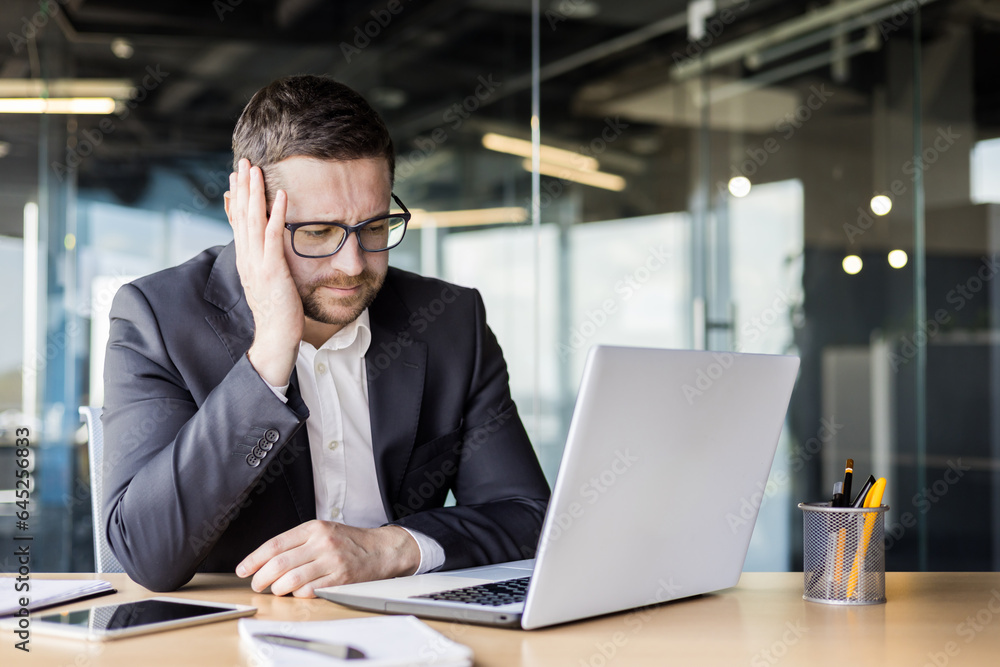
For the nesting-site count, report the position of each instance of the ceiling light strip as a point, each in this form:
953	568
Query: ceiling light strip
116	88
597	179
57	105
522	148
468	218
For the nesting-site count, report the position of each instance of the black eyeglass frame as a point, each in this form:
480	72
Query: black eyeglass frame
353	229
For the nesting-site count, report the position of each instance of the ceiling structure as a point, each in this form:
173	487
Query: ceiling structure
195	63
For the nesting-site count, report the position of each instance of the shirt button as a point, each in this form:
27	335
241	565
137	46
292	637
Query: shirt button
335	512
333	445
321	368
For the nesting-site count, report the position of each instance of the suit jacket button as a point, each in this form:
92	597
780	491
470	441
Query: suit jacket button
253	460
271	435
258	453
265	445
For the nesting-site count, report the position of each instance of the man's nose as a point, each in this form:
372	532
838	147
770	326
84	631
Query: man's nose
350	259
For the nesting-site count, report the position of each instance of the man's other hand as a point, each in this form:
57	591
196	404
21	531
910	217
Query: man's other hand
316	554
267	281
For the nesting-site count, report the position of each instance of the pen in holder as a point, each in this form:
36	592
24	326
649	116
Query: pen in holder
843	551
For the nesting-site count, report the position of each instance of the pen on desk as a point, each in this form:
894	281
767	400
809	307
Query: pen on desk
848	476
859	500
838	495
341	651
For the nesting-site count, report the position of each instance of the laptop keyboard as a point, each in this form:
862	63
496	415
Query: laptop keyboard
493	594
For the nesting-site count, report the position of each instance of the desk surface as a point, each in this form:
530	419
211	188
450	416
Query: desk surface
930	619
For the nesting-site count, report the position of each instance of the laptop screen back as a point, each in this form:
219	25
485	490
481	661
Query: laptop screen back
661	479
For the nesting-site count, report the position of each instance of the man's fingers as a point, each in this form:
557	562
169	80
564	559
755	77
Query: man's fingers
227	197
256	213
240	193
274	236
302	580
290	539
230	198
324	553
259	557
293	560
287	565
274	233
242	208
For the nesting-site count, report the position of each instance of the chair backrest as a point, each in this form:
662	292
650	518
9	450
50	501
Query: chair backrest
104	560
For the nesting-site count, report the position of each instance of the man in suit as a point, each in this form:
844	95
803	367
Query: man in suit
292	408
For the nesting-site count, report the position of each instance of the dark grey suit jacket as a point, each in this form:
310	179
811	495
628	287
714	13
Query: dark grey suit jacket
203	463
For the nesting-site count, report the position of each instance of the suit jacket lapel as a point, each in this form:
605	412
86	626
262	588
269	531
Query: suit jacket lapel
395	391
236	329
224	290
299	474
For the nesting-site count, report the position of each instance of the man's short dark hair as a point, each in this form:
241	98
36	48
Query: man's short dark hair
312	116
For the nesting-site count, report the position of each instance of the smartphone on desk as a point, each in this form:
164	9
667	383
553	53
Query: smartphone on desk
140	617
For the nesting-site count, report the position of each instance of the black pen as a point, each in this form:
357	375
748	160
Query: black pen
339	651
848	474
859	501
838	495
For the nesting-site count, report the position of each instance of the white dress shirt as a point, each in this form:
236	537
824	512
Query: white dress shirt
334	386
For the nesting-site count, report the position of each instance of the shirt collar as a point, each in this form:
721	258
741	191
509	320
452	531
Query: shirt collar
357	334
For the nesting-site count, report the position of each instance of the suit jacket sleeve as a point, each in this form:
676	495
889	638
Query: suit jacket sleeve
176	466
498	484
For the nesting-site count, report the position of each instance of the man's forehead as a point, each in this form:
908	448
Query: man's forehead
306	162
295	174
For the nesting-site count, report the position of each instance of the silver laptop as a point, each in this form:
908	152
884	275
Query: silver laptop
654	500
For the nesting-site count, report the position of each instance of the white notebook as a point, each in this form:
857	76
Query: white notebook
387	641
42	593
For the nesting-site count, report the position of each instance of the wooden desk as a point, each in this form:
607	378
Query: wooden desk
930	619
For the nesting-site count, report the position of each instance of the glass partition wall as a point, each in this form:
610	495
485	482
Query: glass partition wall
761	179
729	175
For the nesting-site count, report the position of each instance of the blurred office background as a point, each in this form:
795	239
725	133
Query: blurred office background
813	178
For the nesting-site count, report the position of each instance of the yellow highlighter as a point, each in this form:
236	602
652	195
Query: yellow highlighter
838	563
873	499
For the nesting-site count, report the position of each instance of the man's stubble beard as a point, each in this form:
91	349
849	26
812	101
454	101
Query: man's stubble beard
314	306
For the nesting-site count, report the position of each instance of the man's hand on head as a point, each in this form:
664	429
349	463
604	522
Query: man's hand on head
316	554
267	281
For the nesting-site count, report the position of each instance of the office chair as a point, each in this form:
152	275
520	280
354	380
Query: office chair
104	560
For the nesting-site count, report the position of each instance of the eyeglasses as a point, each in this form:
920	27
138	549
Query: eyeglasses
322	239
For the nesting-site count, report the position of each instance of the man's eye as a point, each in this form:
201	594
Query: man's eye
376	228
315	232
